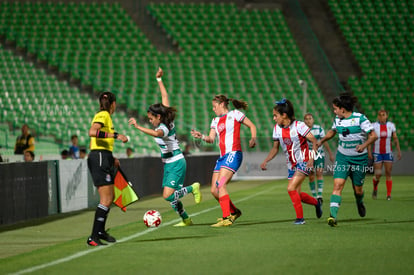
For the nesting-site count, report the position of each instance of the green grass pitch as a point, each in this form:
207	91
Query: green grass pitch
262	241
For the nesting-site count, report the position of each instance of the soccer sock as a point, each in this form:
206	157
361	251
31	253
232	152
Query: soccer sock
101	214
320	188
312	188
335	204
178	194
225	205
179	208
308	199
359	198
389	187
375	183
297	205
233	208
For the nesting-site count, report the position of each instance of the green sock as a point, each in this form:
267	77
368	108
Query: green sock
320	188
359	198
334	205
312	187
177	206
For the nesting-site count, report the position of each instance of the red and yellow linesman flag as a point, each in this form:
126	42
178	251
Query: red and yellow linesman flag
124	194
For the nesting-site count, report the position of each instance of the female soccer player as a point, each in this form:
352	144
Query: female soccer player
319	161
351	157
293	135
227	127
382	151
102	164
161	116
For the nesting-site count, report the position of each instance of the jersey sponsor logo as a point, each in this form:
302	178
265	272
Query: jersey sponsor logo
383	134
345	132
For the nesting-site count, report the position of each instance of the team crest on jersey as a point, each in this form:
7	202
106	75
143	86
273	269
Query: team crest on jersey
353	121
221	127
287	141
108	178
229	118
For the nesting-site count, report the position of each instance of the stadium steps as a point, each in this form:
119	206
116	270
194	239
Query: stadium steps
380	35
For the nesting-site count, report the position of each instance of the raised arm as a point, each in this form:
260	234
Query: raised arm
163	90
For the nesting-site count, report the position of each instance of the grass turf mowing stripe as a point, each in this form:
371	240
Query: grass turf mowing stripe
149	230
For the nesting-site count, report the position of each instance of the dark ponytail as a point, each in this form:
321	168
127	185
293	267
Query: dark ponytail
238	104
167	113
105	101
285	107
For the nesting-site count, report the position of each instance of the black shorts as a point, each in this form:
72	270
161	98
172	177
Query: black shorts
101	166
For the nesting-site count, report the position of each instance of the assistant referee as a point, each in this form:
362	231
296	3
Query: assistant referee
102	165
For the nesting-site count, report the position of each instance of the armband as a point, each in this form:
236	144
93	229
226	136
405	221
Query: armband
100	134
116	135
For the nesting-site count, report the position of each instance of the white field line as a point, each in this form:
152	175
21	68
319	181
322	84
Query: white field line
149	230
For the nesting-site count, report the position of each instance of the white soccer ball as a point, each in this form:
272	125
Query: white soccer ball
152	218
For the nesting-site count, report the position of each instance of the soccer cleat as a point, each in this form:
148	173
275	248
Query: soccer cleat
196	192
223	222
185	222
236	215
106	237
361	209
332	221
299	221
374	194
318	208
94	241
388	198
320	200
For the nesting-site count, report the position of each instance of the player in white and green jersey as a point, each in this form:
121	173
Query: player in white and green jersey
319	160
355	135
161	116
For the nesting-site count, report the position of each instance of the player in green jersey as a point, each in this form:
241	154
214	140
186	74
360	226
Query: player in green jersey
355	135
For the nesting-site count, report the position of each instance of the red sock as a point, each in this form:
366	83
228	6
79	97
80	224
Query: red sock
308	199
225	205
232	207
389	187
295	198
375	182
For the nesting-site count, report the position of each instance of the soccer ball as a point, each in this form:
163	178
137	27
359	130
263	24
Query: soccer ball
152	218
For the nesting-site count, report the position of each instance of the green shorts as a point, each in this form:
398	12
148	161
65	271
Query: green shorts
319	163
174	174
353	166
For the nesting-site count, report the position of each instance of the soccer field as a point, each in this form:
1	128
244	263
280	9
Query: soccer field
262	241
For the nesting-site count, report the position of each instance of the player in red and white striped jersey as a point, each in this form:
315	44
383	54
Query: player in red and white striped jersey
227	127
381	151
293	137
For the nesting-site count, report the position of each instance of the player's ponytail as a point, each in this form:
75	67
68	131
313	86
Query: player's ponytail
167	114
238	104
284	106
105	101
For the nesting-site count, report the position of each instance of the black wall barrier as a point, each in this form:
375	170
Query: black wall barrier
31	190
23	191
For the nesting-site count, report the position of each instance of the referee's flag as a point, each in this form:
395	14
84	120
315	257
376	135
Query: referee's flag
124	194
